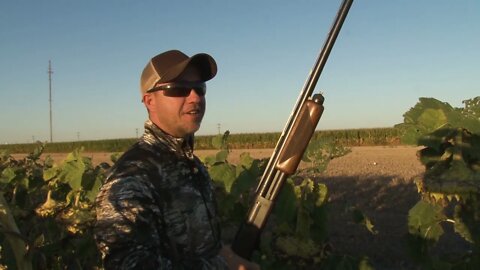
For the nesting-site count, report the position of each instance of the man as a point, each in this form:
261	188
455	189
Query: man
157	209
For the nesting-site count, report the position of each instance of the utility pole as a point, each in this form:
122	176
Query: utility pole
50	72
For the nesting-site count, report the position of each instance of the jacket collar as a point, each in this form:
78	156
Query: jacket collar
157	137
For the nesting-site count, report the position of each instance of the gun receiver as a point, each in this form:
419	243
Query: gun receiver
289	149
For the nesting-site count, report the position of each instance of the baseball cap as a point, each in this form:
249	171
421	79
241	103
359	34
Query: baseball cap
169	65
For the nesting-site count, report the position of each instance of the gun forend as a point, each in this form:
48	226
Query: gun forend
302	132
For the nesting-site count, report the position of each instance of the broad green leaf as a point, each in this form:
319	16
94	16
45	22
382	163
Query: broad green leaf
23	182
471	114
255	167
430	114
437	138
411	134
72	170
424	220
91	194
222	156
246	160
224	174
209	160
220	141
88	179
244	182
297	247
285	208
115	156
217	141
93	187
48	162
431	119
72	173
472	108
8	175
458	171
50	173
37	152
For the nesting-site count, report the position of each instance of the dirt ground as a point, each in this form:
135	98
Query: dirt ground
376	180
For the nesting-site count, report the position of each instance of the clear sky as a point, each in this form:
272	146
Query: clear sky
388	54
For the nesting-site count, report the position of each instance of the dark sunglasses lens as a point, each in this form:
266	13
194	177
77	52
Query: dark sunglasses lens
184	91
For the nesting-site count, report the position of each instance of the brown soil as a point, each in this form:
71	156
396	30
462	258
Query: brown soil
376	180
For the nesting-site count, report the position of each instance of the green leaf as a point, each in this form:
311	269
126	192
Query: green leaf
246	160
209	160
49	174
220	141
37	152
4	155
222	156
297	247
91	194
115	156
219	157
224	174
430	114
48	162
244	182
72	169
424	220
285	208
217	141
7	175
432	119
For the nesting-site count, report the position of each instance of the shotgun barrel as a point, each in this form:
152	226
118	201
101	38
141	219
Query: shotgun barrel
289	149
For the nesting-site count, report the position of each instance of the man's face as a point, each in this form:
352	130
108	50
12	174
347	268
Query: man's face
179	116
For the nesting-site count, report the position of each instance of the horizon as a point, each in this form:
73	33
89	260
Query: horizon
196	135
387	55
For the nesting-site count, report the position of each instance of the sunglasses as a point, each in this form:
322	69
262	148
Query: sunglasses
181	89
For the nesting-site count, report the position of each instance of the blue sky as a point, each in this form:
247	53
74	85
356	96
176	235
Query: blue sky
388	54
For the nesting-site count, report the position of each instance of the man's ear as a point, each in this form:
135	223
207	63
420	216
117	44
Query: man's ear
149	102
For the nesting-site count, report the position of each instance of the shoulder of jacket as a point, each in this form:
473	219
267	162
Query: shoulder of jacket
136	160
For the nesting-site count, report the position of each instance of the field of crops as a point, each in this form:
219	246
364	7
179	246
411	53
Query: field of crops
348	137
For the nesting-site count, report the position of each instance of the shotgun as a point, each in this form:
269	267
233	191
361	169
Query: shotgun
289	149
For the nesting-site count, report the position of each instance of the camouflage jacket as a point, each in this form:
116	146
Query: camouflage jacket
157	209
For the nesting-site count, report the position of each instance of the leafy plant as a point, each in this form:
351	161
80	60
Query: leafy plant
47	211
450	186
319	153
430	114
295	235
